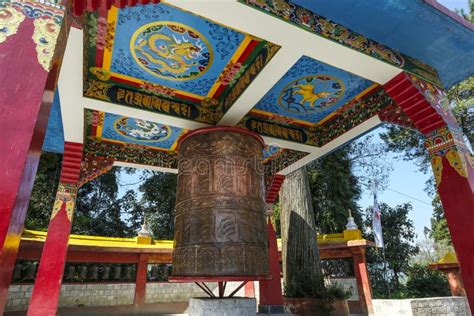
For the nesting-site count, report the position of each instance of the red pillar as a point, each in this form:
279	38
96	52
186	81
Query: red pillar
28	72
453	169
140	282
271	296
363	282
428	108
45	296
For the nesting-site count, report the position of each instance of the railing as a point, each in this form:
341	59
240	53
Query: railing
25	272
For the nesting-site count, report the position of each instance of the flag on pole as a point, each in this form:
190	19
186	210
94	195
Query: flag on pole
377	224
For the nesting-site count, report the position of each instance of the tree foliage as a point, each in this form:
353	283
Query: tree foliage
158	203
425	282
99	210
399	238
43	192
334	190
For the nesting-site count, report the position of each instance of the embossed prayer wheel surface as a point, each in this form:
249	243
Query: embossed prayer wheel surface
220	227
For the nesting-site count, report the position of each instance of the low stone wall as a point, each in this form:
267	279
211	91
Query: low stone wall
172	292
217	307
435	306
73	295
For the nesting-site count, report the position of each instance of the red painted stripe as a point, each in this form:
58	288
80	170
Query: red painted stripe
274	189
247	50
80	6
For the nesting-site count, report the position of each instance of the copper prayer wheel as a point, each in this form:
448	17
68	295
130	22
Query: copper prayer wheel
220	227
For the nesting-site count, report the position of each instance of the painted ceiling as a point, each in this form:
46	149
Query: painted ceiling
144	142
310	91
164	59
112	128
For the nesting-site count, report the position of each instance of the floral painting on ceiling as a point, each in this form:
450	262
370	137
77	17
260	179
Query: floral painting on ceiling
164	59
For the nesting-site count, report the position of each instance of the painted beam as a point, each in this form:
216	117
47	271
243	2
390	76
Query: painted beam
145	167
266	79
70	88
342	140
246	19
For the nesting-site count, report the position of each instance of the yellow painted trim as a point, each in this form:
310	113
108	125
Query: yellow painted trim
450	257
245	42
100	126
98	241
114	242
107	59
270	114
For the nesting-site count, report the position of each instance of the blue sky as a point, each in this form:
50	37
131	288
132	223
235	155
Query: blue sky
406	184
454	4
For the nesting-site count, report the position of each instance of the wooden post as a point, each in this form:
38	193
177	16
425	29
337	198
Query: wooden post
453	169
45	296
250	289
363	282
455	282
140	282
271	296
29	66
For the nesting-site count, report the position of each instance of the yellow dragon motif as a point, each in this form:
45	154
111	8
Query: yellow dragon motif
307	92
173	56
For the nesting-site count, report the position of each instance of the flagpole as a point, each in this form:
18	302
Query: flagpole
385	270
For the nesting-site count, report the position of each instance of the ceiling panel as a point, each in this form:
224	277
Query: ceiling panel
164	59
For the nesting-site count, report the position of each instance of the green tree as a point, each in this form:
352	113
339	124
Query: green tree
44	191
334	190
399	238
425	282
99	210
439	231
157	203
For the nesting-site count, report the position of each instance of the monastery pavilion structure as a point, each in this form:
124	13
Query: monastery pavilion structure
232	95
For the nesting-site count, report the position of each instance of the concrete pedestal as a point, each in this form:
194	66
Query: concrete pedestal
271	309
235	306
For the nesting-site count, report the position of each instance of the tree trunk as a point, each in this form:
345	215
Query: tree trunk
300	256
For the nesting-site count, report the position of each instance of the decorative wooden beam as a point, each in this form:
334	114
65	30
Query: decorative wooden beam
93	166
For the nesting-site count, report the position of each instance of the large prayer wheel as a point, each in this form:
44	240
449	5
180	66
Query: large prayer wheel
220	227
